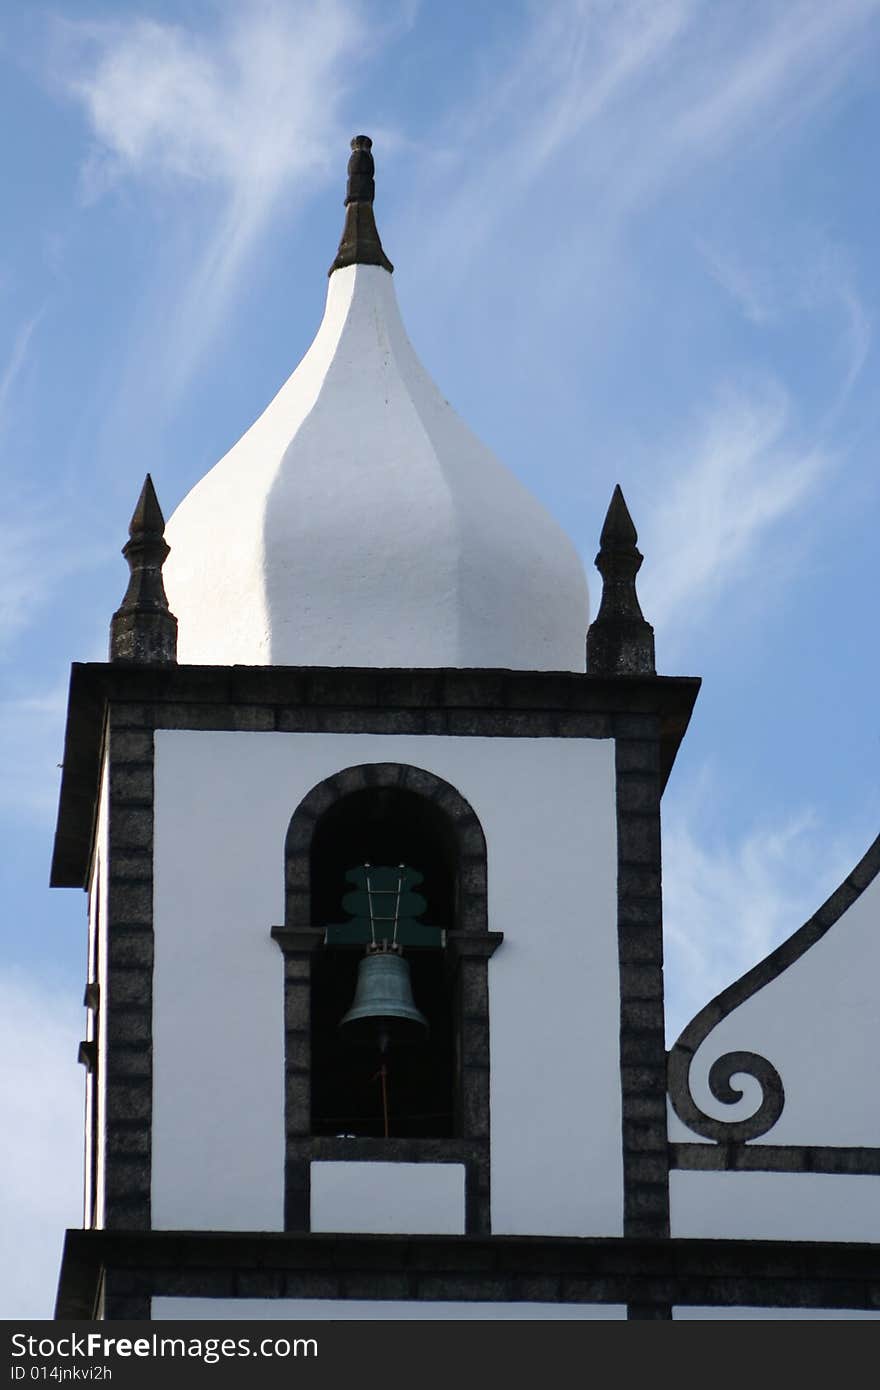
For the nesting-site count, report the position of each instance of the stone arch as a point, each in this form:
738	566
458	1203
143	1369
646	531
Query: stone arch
469	945
472	914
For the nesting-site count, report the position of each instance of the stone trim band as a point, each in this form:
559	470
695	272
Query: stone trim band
773	1158
651	1276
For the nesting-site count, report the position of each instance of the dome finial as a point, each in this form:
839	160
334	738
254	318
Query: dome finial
361	186
620	642
143	628
360	244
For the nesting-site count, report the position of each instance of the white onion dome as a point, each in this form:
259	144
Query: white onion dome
359	522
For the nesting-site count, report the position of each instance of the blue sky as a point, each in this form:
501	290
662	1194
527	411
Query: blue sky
634	242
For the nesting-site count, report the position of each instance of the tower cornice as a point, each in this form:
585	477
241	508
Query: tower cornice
452	701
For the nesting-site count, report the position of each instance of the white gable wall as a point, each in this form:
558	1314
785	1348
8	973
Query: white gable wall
818	1023
547	807
775	1206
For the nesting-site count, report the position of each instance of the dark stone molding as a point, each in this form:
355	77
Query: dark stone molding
84	740
472	945
725	1067
326	1148
773	1158
650	1276
127	995
464	945
640	952
298	941
477	703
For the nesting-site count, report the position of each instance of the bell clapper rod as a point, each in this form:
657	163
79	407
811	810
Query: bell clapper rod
400	868
370	901
382	1077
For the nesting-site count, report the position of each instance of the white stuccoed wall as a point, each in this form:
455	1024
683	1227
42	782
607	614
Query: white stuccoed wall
818	1023
359	1310
382	1198
775	1206
547	807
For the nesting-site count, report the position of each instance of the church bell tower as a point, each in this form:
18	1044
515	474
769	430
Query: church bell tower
368	815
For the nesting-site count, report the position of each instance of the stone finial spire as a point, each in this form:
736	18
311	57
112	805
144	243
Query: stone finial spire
360	244
142	628
619	642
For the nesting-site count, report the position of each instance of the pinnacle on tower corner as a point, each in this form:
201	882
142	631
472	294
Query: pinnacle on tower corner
143	628
619	642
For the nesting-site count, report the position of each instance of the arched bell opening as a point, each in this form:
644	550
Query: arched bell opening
387	814
383	868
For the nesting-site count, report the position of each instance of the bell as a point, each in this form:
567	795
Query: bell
383	1009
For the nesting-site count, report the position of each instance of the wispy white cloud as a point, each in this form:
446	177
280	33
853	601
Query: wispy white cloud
607	110
41	1157
723	489
728	903
233	105
634	98
15	361
758	77
859	332
741	470
577	63
829	285
244	112
38	547
23	584
812	277
746	286
37	552
31	733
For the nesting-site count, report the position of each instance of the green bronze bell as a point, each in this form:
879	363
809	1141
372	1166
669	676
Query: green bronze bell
383	1010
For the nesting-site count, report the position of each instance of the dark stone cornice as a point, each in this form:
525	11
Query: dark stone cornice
724	1273
453	701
